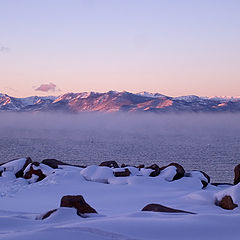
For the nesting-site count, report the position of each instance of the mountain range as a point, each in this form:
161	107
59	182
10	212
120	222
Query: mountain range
114	101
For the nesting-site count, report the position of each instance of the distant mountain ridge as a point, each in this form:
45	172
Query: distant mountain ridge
114	101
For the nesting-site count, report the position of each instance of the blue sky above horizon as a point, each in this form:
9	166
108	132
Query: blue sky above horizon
172	47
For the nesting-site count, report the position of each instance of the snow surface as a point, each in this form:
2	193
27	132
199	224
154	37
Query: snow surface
15	165
119	201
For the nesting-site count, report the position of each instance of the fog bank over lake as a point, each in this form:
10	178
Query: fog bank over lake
208	142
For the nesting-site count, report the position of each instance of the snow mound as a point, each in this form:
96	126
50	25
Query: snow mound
233	192
15	165
168	173
97	174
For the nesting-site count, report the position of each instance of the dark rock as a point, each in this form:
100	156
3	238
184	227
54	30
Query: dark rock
226	203
156	169
78	202
111	164
32	171
48	214
20	173
204	182
124	173
53	163
153	207
236	174
180	170
140	166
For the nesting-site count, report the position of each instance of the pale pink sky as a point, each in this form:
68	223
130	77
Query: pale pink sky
171	47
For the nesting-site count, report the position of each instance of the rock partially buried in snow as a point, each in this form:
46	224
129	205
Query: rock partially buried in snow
227	203
17	166
78	202
228	198
53	163
46	215
156	170
111	164
236	174
153	207
122	173
202	176
179	170
36	172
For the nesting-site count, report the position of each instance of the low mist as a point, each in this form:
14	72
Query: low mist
193	140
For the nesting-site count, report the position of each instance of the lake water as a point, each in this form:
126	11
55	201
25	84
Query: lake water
205	142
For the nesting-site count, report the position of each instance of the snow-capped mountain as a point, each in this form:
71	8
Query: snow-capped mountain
113	101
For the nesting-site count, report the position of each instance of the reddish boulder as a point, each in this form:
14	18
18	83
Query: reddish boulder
153	207
78	202
31	171
226	203
236	174
111	164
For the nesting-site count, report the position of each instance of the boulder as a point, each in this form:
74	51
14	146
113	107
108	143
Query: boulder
204	182
111	164
124	173
179	170
153	207
226	203
140	166
156	170
53	163
236	174
17	166
30	171
202	176
78	202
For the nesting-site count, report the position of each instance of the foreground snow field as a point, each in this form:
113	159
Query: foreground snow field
118	201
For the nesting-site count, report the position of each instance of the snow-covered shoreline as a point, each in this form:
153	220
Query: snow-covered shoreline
118	195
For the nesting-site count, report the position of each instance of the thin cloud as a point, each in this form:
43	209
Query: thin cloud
50	87
4	49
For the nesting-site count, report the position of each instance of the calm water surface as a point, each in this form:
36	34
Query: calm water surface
206	142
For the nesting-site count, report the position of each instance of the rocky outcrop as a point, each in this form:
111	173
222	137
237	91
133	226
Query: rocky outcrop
226	203
236	174
78	202
153	207
111	164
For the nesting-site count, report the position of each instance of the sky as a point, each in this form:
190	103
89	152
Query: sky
174	47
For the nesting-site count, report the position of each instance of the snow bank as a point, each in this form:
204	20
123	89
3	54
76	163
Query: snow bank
233	191
97	174
14	165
